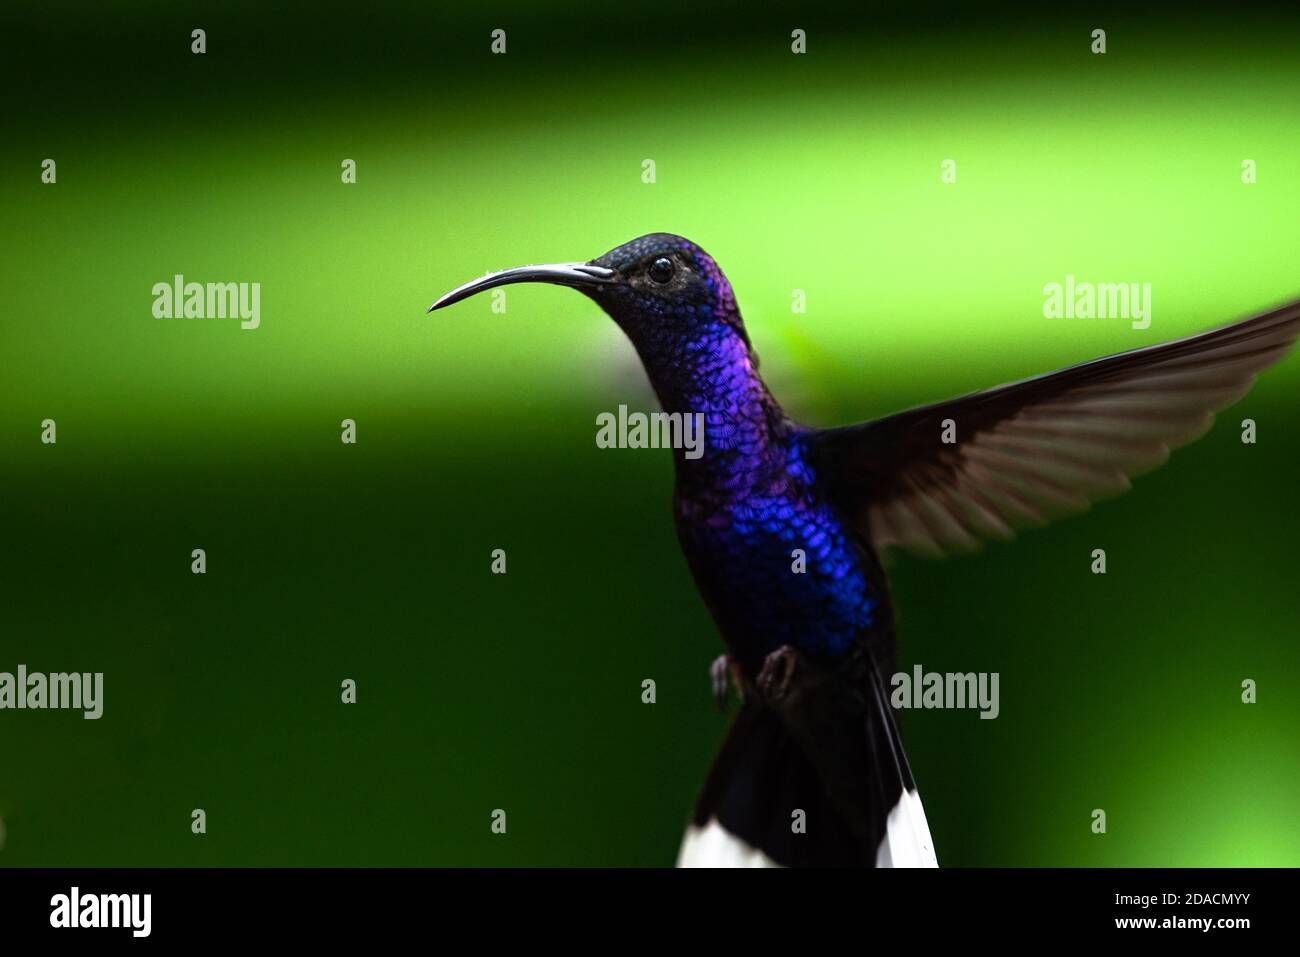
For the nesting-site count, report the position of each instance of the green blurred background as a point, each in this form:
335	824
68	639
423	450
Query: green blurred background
476	430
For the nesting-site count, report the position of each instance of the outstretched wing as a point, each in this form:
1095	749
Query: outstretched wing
1026	453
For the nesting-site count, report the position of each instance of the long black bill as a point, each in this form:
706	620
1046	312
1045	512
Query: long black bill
562	274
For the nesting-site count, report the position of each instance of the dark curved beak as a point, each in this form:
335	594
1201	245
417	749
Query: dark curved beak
561	274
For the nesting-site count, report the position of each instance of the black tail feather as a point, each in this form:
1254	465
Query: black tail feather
829	748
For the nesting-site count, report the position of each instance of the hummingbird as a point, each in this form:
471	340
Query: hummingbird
787	528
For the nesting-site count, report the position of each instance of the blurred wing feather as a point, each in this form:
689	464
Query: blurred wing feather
1033	451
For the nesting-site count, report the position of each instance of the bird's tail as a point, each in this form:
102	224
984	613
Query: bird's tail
819	779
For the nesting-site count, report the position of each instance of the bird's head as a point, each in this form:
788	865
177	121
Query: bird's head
660	288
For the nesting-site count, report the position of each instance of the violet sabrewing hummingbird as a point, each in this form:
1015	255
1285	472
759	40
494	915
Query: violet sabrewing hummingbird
810	642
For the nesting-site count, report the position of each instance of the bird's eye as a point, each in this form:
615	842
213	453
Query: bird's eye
661	270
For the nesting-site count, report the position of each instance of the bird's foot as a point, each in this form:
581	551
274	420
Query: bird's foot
777	673
722	666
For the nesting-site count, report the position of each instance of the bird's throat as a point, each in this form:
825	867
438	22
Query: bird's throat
714	374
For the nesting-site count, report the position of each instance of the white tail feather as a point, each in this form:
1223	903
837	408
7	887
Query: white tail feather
715	846
907	841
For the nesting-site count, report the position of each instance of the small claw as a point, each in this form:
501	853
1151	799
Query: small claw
778	672
718	678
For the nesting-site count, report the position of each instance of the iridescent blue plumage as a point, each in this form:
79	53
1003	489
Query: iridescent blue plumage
775	562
